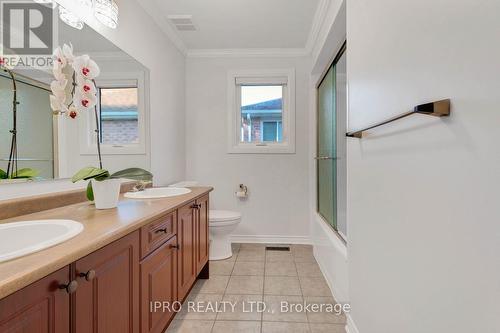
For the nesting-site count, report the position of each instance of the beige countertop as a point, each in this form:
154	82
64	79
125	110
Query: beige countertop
101	227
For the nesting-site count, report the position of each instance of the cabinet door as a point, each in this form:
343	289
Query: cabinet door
41	307
202	241
186	255
159	287
107	299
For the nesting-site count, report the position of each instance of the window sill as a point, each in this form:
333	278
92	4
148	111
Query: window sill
262	149
115	150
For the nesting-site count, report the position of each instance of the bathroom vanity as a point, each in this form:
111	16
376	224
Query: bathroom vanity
106	278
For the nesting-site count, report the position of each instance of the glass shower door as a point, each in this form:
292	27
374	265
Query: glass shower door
326	150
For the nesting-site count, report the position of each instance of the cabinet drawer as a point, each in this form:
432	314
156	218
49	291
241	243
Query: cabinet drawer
158	232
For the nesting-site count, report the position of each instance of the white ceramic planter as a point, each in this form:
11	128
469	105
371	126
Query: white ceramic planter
106	193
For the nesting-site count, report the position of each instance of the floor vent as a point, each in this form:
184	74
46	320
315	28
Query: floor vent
278	248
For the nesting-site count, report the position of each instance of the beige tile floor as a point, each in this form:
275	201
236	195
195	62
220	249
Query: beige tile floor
252	275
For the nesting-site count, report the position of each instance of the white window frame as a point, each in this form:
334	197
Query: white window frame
87	123
261	77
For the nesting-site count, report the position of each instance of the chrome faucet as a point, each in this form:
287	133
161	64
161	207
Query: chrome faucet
141	186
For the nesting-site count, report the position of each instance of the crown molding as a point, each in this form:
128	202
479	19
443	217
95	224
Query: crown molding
152	9
318	19
259	53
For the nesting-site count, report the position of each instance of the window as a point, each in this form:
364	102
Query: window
121	106
119	116
261	112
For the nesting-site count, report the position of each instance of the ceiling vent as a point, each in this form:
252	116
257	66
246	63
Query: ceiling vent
182	22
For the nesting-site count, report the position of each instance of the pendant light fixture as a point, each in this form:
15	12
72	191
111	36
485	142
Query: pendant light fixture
70	19
106	12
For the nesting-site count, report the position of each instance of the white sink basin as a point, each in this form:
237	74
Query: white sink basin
158	192
18	239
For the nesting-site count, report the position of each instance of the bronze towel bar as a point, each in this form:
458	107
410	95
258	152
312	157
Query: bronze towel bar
436	109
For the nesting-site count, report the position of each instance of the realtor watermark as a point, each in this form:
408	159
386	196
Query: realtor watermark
28	34
250	307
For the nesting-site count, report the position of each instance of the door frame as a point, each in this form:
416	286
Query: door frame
337	57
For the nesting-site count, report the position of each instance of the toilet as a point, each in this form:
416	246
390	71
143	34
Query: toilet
221	224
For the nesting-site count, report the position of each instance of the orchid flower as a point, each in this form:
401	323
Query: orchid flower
85	68
84	101
72	112
58	73
67	51
58	88
87	87
57	105
60	60
4	63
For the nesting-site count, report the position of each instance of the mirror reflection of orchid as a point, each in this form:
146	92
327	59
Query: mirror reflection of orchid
12	171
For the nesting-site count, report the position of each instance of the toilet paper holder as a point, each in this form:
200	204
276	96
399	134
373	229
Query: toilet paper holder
243	192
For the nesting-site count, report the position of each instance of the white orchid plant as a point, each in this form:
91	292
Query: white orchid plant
74	91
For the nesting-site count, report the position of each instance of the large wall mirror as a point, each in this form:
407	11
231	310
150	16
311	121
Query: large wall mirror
57	146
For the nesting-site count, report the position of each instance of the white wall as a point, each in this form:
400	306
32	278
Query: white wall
277	209
141	38
423	192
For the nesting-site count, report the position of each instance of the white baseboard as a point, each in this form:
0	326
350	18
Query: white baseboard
350	327
270	239
328	279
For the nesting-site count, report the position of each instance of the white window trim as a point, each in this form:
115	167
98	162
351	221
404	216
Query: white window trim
87	124
234	115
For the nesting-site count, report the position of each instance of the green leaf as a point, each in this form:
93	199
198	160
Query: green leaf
90	173
3	174
90	192
134	174
25	173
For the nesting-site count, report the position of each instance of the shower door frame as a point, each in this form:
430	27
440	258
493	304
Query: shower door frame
335	60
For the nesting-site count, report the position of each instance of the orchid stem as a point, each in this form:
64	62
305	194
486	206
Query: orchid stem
97	131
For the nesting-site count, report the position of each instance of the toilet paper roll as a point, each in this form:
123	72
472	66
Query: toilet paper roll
241	194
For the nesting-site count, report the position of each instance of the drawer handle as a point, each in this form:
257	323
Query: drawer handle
177	247
196	206
89	276
70	287
164	230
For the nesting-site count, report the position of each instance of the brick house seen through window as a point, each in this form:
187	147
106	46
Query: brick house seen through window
262	121
119	116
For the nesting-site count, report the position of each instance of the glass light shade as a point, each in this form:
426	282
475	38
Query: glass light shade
106	12
86	3
70	19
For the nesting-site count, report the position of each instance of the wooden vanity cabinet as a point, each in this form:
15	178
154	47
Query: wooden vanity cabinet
159	287
186	254
107	298
41	307
202	237
114	288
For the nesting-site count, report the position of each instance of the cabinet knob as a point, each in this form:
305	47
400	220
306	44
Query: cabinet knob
164	230
175	246
70	287
89	276
196	206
